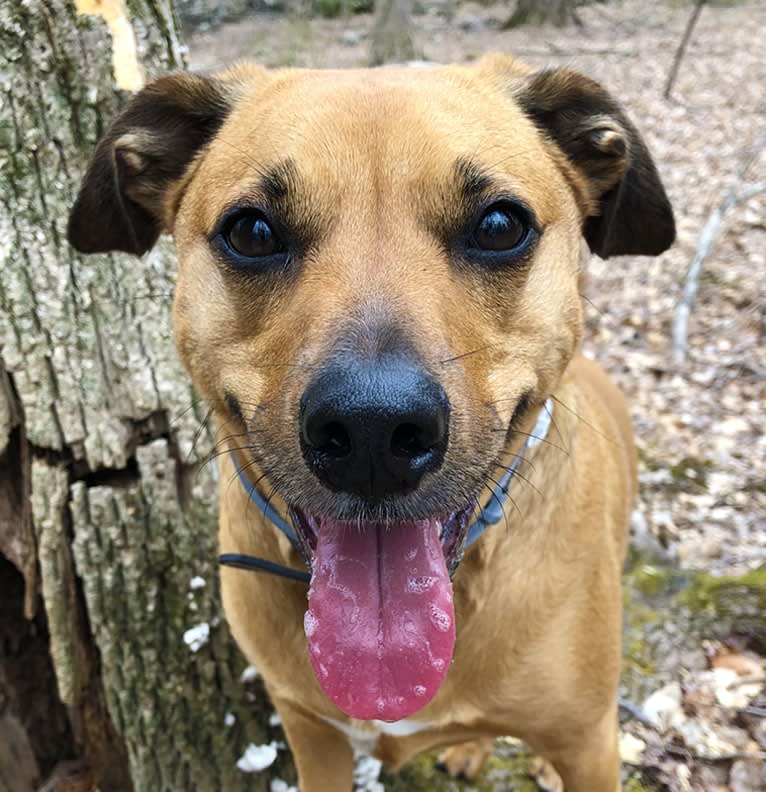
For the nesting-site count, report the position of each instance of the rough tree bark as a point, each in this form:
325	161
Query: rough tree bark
107	524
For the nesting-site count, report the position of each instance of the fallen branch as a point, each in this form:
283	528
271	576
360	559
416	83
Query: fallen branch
756	189
746	680
707	237
732	756
635	712
682	47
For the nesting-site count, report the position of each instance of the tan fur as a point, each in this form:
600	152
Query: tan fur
373	154
530	636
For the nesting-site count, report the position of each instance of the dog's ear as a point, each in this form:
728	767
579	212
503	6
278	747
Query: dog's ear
146	149
629	211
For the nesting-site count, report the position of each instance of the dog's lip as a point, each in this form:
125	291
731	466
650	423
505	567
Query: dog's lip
452	528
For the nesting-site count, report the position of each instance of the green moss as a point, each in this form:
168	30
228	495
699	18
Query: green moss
335	8
633	783
419	775
691	473
738	597
649	579
504	769
697	604
651	463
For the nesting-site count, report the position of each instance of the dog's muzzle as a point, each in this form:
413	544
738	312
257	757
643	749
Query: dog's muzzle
380	623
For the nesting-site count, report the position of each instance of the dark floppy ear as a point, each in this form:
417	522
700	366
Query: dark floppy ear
147	148
630	212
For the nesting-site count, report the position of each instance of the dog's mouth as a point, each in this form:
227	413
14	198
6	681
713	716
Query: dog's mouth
380	622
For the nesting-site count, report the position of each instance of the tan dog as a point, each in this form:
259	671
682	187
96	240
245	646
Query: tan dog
378	291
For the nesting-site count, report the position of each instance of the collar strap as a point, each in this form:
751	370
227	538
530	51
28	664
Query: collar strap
491	514
240	561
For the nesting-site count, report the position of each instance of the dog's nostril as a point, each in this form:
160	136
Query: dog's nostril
332	439
408	441
338	441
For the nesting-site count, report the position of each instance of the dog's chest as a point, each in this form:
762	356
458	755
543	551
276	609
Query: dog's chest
364	736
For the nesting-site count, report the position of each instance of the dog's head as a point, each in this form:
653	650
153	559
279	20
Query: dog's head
378	282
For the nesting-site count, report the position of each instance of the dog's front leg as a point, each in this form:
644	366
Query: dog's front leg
591	762
322	754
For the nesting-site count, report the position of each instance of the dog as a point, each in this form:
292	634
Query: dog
379	297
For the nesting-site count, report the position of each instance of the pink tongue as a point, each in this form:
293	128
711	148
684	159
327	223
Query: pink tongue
380	623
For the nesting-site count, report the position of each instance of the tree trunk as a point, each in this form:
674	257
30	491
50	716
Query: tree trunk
392	33
204	14
107	513
538	12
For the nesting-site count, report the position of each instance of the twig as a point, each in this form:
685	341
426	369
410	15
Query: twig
709	231
682	47
635	712
746	680
750	192
685	753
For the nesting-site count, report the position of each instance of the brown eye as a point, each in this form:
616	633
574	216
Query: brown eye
500	229
251	236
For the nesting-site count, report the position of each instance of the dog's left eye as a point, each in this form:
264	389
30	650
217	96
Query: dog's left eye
500	229
250	236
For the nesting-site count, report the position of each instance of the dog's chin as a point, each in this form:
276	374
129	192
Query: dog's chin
380	623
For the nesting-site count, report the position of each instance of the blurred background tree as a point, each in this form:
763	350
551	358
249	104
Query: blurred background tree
392	33
537	12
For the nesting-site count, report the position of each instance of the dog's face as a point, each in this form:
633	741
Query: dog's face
378	279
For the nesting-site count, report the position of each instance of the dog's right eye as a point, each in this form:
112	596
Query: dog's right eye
249	235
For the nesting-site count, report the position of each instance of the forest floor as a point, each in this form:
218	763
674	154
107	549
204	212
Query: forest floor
696	587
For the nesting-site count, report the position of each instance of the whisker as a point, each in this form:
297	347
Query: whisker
587	423
500	503
523	478
200	429
223	451
222	440
553	422
133	299
272	493
466	354
592	305
508	158
534	437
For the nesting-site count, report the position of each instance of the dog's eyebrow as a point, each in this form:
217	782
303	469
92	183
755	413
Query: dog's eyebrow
277	180
471	179
279	188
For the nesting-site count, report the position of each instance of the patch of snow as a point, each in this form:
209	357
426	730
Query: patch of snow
249	674
278	785
257	758
196	637
366	774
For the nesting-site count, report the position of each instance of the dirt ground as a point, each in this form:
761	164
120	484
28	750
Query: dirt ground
700	526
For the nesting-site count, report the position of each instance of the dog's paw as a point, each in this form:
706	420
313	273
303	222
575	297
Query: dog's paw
546	777
465	760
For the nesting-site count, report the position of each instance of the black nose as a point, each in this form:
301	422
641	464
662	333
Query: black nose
374	428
